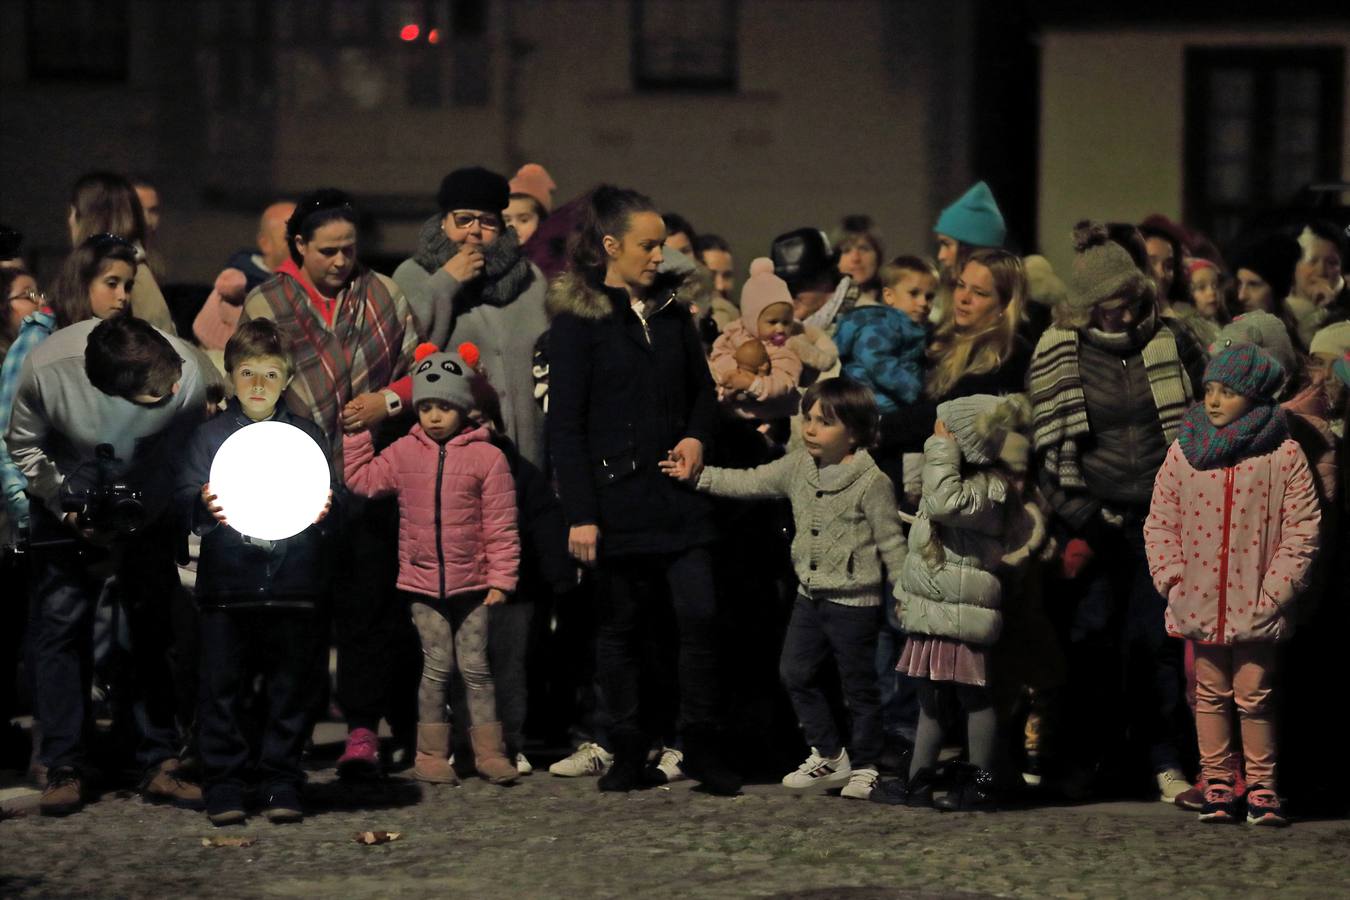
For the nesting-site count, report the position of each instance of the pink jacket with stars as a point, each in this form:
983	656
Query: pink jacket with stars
1230	548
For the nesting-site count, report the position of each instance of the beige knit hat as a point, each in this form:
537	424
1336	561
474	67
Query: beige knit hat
1102	269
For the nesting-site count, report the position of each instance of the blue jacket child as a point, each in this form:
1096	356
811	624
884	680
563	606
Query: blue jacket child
884	349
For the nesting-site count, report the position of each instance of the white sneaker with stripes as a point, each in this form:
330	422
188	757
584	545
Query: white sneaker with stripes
819	773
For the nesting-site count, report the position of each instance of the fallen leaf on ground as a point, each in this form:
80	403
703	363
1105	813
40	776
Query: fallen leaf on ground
229	841
376	837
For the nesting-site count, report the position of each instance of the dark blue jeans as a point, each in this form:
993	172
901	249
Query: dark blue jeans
279	645
1126	685
818	630
67	580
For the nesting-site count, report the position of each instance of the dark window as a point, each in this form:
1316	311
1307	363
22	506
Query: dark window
689	45
1261	124
80	40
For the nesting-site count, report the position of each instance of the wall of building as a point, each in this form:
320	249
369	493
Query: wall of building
1111	122
843	107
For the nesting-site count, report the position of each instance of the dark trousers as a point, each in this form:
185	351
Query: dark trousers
1126	676
236	645
631	593
820	629
379	662
67	582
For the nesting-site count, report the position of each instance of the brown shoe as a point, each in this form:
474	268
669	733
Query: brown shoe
163	784
64	793
489	754
433	754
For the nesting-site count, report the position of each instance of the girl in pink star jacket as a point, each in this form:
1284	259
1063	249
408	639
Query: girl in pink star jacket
1230	537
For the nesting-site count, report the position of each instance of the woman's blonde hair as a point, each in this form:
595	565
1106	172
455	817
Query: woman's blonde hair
955	354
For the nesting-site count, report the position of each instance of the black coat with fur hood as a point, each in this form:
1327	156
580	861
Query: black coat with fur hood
620	398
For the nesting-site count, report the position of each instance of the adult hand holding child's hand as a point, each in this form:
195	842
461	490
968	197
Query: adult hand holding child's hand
364	412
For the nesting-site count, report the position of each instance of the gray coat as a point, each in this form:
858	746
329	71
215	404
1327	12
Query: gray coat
505	334
959	596
849	544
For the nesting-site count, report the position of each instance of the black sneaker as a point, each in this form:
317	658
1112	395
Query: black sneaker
1220	803
976	793
225	804
283	804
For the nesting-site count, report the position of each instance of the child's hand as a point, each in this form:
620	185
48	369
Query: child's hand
327	508
674	468
940	429
212	506
685	461
494	596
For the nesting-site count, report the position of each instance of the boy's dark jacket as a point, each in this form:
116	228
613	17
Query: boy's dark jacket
231	573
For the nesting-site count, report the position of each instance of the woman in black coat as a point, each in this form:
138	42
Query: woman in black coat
629	388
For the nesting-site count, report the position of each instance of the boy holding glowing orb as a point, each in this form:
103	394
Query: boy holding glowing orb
458	550
258	582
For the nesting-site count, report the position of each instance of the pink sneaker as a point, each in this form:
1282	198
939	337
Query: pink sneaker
361	758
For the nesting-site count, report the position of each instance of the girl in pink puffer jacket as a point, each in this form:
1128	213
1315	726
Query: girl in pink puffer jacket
1230	537
458	549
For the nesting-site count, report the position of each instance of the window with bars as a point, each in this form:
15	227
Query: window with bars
1261	124
688	45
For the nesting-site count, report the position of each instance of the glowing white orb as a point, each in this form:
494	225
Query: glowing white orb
271	479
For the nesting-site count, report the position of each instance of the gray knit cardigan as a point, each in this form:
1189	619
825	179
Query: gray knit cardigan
849	545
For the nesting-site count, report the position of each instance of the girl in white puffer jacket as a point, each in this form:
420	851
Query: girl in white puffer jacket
949	587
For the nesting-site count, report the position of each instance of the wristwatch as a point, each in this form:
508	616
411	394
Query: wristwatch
393	404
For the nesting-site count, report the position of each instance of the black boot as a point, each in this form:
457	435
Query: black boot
630	757
916	791
974	794
703	763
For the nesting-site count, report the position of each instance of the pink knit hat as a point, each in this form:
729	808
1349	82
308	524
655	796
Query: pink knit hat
1196	263
534	180
760	291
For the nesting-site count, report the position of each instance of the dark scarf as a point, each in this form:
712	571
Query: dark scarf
506	271
1259	431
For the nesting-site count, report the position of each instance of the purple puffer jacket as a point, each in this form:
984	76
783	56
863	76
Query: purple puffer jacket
456	508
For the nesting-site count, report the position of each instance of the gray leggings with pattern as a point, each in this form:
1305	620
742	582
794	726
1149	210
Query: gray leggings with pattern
454	631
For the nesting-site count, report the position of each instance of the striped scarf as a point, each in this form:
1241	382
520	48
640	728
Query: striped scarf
1059	407
368	346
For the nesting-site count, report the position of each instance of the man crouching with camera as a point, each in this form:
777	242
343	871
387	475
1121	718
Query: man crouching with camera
100	409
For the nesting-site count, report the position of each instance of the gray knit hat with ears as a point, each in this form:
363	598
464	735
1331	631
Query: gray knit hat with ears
981	423
443	376
1102	269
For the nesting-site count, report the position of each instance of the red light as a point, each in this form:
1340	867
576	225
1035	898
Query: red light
409	32
434	36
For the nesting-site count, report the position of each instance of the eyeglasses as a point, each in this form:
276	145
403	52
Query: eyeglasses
32	295
486	221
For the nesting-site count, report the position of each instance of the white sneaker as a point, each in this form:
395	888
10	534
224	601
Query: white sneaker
523	765
669	764
860	784
1172	783
819	773
589	759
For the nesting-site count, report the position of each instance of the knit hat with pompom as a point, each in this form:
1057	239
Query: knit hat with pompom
761	290
982	423
1248	370
1102	269
443	376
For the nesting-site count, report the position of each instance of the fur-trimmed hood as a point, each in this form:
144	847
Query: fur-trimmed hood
571	293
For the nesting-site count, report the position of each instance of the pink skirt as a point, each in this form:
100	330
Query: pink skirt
944	659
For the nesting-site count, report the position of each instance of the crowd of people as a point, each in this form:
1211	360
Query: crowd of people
1083	526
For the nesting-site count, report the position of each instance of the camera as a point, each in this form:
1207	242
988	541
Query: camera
102	499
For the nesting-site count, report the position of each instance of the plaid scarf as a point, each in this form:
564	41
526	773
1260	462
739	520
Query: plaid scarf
1059	407
1257	432
368	346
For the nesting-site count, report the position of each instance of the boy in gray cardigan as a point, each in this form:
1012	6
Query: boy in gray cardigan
847	552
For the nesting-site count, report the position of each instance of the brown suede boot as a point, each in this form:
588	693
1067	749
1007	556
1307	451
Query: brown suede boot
489	754
433	751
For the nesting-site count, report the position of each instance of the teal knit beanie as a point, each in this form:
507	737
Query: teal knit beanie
974	219
1248	370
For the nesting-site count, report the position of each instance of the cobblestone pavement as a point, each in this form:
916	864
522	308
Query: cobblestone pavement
552	837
